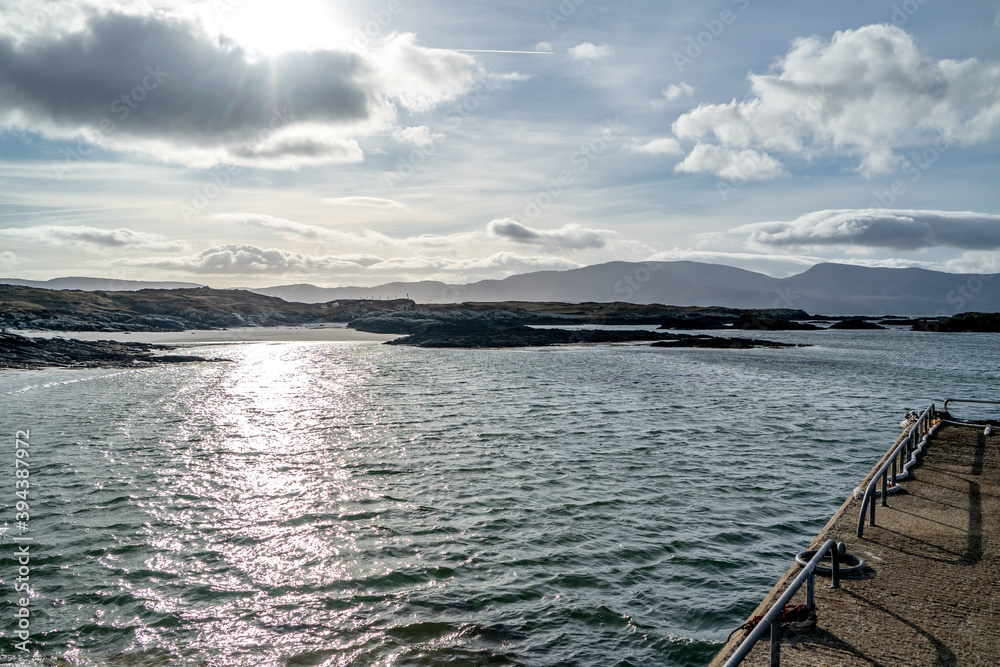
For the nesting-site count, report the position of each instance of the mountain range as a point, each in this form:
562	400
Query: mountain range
831	289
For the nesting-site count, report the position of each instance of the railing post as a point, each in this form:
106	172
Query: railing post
811	590
885	489
894	470
871	512
776	642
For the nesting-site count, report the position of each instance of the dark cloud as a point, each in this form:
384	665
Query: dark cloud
567	237
165	87
176	81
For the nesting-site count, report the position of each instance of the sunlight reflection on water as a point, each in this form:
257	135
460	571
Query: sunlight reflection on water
318	503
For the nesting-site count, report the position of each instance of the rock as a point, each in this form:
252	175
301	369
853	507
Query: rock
855	324
717	342
471	335
23	352
695	322
963	322
754	321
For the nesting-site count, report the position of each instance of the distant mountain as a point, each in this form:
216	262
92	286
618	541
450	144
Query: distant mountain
97	284
832	289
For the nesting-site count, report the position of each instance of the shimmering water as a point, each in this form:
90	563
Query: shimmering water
359	504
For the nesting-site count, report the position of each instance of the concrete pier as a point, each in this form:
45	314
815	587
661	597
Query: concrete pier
931	593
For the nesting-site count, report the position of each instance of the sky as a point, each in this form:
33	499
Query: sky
261	142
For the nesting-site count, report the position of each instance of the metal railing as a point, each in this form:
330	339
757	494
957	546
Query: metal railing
897	461
772	619
966	400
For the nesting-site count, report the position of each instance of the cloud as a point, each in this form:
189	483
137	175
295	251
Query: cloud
772	264
568	237
300	231
474	268
588	51
92	238
9	260
419	136
243	259
292	230
663	146
737	165
672	93
868	93
974	261
250	260
366	202
879	228
164	87
544	47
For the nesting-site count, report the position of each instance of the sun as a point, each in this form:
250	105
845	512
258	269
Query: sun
276	26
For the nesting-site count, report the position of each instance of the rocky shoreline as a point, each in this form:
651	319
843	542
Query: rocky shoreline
23	352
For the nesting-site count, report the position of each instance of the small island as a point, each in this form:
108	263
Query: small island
23	352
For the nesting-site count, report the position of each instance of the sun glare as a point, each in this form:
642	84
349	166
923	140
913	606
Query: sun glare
275	26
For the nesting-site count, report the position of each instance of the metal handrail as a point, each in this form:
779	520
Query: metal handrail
897	459
966	400
772	619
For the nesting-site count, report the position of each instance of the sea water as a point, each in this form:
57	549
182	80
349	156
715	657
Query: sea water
318	503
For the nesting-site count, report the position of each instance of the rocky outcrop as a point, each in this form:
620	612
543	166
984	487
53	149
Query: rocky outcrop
23	352
720	342
170	310
473	334
856	324
963	322
758	322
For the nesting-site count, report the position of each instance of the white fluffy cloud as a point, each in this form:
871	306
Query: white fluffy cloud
662	146
92	238
974	261
879	228
419	136
588	51
568	237
162	86
243	259
237	259
868	93
672	93
736	165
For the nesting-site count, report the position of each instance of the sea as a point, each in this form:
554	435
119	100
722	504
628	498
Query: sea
354	503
